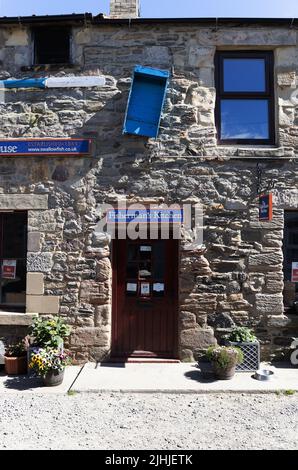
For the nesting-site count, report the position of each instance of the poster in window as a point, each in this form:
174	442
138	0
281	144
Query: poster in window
9	267
145	289
294	272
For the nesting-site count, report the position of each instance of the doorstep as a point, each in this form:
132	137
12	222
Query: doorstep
177	378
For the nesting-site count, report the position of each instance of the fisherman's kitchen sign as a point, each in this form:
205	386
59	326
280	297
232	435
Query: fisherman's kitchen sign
31	147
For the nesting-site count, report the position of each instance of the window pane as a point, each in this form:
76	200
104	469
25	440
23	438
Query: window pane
244	75
244	119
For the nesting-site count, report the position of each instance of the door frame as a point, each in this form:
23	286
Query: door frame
114	260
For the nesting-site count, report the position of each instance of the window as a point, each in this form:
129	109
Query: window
290	249
13	253
245	99
51	45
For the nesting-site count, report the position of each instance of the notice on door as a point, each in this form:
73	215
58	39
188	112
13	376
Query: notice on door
145	289
294	272
9	267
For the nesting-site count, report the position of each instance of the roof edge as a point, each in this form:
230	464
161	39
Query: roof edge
101	19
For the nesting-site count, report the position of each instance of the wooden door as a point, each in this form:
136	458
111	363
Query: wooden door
145	276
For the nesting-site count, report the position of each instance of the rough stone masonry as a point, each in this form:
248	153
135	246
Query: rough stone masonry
238	277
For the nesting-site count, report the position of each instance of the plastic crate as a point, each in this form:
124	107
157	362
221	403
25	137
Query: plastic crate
251	353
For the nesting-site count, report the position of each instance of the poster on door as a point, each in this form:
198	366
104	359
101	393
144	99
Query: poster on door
9	267
294	272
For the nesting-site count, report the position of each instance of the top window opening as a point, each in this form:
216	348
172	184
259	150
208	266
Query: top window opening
51	46
245	97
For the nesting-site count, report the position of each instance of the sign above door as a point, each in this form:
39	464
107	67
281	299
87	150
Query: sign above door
36	147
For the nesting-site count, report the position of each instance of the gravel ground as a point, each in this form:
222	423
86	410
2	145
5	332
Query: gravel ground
144	421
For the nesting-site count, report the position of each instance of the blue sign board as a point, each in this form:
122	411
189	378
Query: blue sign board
145	216
265	207
17	147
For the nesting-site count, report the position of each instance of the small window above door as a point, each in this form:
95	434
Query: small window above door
51	45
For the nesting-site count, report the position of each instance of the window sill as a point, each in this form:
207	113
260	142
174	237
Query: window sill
16	318
50	67
257	151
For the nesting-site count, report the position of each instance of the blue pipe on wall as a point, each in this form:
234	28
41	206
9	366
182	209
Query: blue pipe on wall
24	83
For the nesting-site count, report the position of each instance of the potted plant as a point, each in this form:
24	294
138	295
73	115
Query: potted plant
15	358
49	332
244	339
49	364
224	360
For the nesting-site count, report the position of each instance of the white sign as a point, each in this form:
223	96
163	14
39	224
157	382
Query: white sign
158	287
145	289
130	287
145	248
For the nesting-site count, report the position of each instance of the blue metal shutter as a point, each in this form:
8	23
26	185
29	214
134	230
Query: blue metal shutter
146	101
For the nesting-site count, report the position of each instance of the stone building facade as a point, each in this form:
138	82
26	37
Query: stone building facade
237	277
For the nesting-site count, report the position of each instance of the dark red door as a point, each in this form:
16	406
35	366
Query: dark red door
145	298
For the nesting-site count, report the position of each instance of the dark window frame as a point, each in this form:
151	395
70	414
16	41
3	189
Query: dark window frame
51	29
268	94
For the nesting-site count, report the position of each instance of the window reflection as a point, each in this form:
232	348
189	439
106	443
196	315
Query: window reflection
244	75
244	119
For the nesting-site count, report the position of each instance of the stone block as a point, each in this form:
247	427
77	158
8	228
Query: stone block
201	56
35	284
286	78
15	319
33	241
198	338
42	304
269	304
271	261
39	262
90	337
159	55
23	201
18	37
278	321
235	205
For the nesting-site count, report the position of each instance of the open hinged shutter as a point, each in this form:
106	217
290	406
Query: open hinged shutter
145	103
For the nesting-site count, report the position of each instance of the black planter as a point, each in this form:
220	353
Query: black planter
223	373
53	378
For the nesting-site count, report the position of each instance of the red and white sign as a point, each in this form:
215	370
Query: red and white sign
294	272
9	267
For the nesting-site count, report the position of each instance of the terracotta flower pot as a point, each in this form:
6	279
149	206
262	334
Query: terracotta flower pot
53	378
16	365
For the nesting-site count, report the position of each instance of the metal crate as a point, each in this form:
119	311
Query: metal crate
251	353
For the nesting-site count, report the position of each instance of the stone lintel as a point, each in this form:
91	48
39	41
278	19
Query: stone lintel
23	201
18	319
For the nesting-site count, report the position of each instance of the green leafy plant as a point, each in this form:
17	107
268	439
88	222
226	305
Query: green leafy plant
225	356
289	392
44	360
49	332
241	334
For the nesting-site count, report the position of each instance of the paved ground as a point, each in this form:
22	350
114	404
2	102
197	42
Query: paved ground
148	421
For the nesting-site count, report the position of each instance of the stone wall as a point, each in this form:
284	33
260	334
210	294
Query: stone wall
238	277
